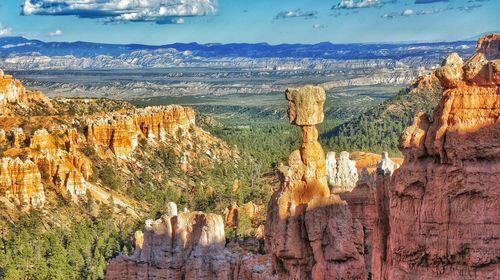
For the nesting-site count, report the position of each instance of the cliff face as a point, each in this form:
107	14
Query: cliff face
188	245
62	148
439	219
20	181
120	132
14	97
309	233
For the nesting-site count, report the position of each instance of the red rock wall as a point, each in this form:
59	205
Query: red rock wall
443	204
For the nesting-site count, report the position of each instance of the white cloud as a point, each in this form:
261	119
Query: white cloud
407	12
179	21
58	32
296	13
160	11
353	4
318	25
5	31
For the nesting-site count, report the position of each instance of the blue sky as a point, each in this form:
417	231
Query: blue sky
272	21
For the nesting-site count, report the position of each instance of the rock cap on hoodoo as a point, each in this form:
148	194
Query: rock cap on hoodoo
305	105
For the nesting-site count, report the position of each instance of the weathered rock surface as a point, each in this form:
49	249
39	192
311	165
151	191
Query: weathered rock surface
120	131
187	245
342	174
15	97
309	233
439	219
190	245
489	45
20	181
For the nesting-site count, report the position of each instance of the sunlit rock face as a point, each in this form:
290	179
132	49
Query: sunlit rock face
20	181
309	233
120	132
342	174
442	207
14	96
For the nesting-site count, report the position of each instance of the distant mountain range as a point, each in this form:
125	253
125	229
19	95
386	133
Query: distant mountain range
20	45
18	52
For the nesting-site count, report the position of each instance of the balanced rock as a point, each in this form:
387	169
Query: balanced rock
450	73
305	105
309	233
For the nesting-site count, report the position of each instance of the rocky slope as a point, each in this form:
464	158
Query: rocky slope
60	151
16	99
439	218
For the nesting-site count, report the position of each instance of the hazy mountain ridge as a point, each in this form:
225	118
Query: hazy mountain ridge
22	53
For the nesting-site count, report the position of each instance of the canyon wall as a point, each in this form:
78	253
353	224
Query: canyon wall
438	218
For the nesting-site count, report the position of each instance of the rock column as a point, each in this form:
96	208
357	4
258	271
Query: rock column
309	233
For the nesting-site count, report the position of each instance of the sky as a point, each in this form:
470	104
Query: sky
234	21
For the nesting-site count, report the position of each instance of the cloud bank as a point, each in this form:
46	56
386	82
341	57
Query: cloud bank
159	11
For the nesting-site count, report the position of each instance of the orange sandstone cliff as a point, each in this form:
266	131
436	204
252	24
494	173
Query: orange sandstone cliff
439	218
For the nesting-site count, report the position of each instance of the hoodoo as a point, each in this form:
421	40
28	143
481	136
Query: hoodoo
310	233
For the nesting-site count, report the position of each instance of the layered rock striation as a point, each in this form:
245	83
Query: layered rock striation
120	132
439	217
310	233
20	181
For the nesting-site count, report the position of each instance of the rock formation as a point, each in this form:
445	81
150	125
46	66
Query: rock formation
309	233
188	245
120	131
439	217
63	147
15	97
342	175
21	182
